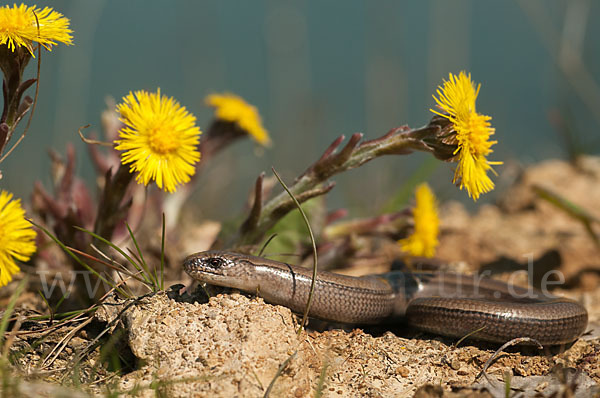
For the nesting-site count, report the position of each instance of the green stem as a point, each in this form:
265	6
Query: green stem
311	182
13	65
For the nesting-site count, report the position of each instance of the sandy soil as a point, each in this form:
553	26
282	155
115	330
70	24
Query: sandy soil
233	345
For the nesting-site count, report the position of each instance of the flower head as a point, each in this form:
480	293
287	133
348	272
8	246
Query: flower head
19	27
160	139
424	239
457	100
231	108
17	237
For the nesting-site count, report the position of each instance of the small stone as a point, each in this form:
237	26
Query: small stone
402	371
462	372
455	364
541	387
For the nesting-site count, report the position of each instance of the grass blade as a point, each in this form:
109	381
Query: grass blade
278	373
574	211
9	309
141	258
314	247
162	254
106	264
118	249
74	257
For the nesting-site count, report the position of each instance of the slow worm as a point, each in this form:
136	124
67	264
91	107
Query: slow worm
440	303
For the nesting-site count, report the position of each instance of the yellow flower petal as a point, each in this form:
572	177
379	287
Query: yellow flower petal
17	237
19	28
424	239
473	131
160	139
231	108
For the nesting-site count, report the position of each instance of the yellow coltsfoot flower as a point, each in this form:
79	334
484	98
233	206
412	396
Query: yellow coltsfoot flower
456	98
232	108
19	28
159	139
17	237
424	239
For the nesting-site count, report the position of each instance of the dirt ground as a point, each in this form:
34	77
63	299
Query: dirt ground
178	344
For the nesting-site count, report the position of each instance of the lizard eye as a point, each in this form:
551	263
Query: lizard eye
215	262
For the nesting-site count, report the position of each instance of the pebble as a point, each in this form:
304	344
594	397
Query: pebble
402	371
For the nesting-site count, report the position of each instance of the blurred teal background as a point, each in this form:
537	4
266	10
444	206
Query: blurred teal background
318	69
